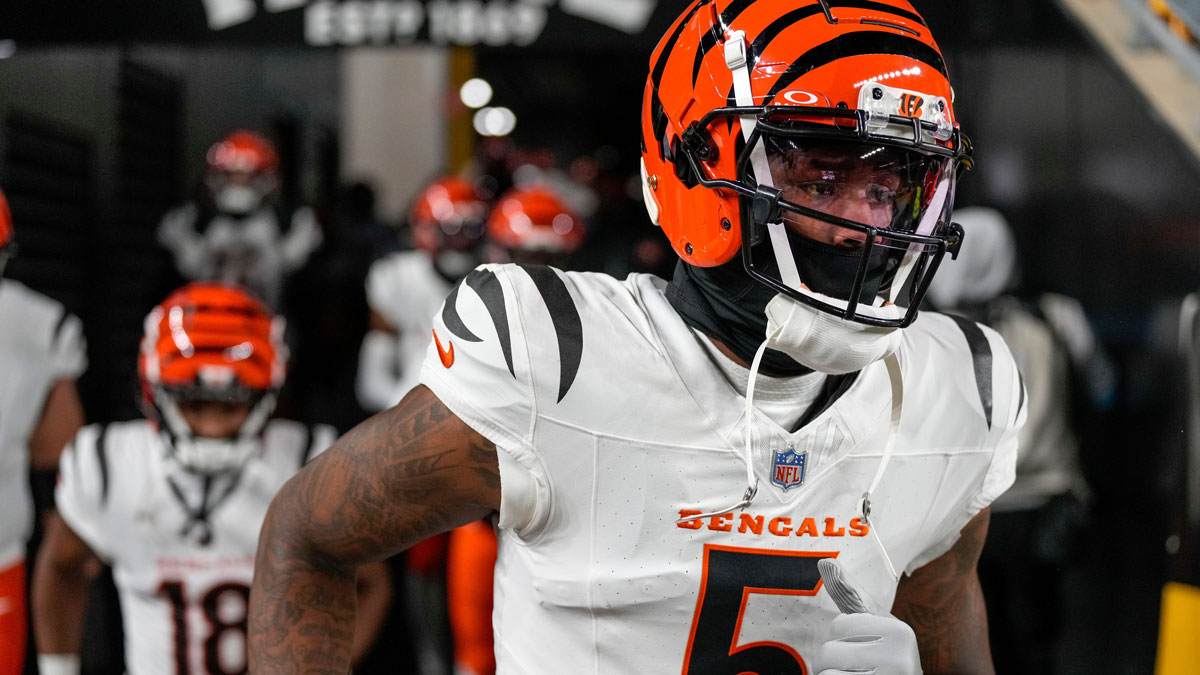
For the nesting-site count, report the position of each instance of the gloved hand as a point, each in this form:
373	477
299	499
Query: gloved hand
864	639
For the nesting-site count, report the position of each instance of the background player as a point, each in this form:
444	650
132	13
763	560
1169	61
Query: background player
404	289
619	430
237	230
174	503
42	353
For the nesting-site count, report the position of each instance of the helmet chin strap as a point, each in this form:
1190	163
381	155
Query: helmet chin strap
739	65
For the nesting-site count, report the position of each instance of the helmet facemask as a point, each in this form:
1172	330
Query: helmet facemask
853	215
206	455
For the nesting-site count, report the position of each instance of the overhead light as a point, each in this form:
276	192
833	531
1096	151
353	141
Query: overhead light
495	121
475	93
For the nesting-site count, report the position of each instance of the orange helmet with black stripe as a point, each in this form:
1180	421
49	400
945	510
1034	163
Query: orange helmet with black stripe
243	172
816	138
210	342
448	222
533	225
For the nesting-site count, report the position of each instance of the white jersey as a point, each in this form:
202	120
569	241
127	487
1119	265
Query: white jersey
183	575
255	251
612	423
40	344
406	290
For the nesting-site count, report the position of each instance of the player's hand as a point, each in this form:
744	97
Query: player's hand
864	639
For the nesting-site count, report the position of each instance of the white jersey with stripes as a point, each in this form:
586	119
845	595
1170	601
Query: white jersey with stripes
40	344
613	422
181	546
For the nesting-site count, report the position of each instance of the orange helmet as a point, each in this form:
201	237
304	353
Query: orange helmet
242	171
534	220
6	226
817	138
243	152
211	342
448	223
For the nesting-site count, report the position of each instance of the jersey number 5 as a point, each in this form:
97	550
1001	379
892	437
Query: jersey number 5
221	624
731	576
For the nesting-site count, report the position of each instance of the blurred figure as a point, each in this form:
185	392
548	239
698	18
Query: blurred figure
237	231
1038	525
174	503
533	226
405	289
527	226
41	355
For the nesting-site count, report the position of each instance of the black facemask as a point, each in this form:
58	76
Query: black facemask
725	303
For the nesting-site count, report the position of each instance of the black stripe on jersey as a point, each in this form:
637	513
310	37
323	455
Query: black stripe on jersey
1021	401
58	327
568	327
306	448
102	456
981	357
858	43
453	321
485	283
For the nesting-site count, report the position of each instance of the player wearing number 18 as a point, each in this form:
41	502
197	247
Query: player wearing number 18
174	503
769	464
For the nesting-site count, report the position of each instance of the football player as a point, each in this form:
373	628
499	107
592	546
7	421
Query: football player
405	289
237	231
41	354
532	226
174	503
738	471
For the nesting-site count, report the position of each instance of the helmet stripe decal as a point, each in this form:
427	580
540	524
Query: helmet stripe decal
568	327
656	108
453	321
485	283
867	4
858	43
710	39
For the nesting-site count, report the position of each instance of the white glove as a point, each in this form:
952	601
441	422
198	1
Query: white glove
864	639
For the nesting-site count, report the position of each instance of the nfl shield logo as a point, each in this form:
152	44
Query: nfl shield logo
787	469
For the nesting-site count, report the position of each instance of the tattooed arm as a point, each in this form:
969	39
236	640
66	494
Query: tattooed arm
943	603
401	476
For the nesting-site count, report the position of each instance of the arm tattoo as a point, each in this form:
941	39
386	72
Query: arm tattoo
400	477
943	603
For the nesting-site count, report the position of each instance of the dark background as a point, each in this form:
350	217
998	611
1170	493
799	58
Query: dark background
105	110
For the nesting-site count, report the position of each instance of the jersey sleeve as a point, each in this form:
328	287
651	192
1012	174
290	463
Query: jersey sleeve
385	285
83	485
1008	417
68	348
482	363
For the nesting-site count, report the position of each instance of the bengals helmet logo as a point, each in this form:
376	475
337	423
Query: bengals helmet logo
911	105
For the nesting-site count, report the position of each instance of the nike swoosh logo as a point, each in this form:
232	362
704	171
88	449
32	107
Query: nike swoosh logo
446	355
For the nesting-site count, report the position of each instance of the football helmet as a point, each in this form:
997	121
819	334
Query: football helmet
242	172
6	231
448	221
532	226
816	137
210	342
